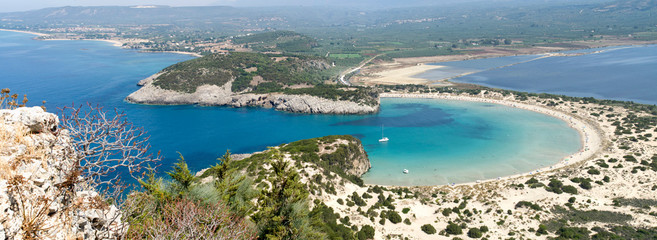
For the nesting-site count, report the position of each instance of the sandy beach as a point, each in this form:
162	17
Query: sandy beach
28	32
402	75
115	43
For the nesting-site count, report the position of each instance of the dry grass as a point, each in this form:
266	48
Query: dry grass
16	143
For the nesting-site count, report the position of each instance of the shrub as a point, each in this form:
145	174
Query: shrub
529	205
358	200
569	189
474	233
182	216
428	229
573	233
554	186
406	210
542	229
447	212
585	185
394	217
483	229
407	221
593	171
366	232
453	228
531	181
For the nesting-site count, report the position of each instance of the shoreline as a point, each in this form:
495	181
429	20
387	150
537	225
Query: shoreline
591	136
23	31
369	74
115	42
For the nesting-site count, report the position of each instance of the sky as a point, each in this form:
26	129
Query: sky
26	5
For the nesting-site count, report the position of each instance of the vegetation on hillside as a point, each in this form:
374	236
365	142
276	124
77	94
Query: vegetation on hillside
283	41
218	69
262	73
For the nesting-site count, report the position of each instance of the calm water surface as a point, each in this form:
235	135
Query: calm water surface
627	73
438	141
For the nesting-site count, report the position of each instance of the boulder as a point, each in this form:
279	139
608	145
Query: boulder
34	118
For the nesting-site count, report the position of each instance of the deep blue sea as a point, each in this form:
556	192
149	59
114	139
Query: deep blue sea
627	73
438	141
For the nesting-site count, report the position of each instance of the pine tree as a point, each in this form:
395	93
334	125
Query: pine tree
181	176
284	206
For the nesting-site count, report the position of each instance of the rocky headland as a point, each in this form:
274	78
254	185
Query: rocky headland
40	197
287	83
212	95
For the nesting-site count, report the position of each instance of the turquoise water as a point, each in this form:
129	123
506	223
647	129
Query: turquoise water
625	73
438	141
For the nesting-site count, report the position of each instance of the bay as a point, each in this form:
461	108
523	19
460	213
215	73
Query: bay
438	141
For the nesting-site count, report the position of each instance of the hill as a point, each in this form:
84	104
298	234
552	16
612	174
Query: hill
286	82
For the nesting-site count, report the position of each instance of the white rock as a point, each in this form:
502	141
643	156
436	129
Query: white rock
33	117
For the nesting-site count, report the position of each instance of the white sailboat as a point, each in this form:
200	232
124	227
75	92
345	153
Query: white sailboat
383	139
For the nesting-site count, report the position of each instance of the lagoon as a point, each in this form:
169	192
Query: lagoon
625	73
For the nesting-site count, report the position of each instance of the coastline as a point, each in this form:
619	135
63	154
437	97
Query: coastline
403	75
28	32
115	42
591	136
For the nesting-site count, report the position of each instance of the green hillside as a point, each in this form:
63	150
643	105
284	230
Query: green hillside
262	73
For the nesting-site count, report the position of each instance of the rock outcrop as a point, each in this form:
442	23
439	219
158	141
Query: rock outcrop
39	196
346	149
211	95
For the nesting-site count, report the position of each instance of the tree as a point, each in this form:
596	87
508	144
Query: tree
221	170
181	176
283	206
107	146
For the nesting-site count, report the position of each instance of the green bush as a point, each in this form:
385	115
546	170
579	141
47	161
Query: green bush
569	189
358	200
428	229
593	171
474	233
406	210
529	205
366	232
453	228
447	212
394	217
573	233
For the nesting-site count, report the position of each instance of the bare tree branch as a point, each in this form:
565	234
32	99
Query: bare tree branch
107	145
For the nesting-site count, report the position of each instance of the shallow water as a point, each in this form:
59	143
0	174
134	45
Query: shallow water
438	141
621	73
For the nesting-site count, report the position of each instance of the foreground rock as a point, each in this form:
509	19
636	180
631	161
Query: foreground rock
38	196
211	95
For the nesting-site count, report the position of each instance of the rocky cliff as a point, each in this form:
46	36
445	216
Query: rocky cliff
212	95
39	198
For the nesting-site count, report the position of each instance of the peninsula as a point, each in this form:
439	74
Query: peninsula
284	82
